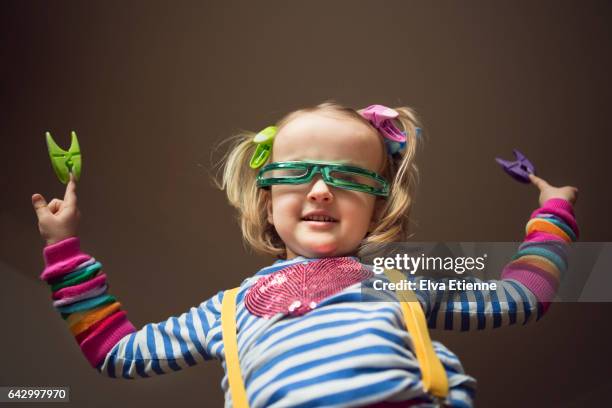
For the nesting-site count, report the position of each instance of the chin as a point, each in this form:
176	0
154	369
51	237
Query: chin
324	250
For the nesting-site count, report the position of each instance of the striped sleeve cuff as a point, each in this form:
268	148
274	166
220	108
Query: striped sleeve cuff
61	258
562	209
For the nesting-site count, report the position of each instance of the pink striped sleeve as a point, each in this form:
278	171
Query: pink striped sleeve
96	330
562	209
536	272
99	342
62	258
75	290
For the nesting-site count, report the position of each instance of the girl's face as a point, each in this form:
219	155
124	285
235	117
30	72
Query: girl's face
331	138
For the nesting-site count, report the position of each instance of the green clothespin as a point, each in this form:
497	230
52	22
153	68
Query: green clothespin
64	162
264	140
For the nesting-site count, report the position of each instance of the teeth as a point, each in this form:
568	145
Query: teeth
319	218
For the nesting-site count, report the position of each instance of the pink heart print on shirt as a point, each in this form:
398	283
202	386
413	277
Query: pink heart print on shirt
298	288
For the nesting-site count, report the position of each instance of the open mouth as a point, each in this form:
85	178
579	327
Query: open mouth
319	218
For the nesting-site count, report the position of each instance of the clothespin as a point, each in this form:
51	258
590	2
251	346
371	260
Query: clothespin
520	169
65	162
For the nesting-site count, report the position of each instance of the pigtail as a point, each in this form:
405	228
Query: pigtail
394	219
238	180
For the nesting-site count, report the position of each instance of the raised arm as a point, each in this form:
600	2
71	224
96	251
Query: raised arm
529	281
109	341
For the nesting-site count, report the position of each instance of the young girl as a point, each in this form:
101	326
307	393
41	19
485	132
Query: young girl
315	190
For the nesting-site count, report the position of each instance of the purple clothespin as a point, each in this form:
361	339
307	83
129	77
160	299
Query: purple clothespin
519	169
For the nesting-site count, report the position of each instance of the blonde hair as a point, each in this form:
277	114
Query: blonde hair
237	178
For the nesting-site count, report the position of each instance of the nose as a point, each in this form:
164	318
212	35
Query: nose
320	191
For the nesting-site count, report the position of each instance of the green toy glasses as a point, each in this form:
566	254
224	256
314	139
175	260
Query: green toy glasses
334	174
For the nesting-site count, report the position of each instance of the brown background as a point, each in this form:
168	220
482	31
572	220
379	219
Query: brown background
151	87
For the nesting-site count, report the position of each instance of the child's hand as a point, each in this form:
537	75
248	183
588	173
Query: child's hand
547	191
60	218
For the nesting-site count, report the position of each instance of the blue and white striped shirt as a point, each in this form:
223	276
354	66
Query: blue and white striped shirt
345	352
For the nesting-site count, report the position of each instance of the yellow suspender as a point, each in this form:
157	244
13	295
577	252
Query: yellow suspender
432	371
434	377
230	345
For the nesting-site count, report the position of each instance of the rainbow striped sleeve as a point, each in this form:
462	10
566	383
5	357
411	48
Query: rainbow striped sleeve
109	341
79	293
528	282
541	260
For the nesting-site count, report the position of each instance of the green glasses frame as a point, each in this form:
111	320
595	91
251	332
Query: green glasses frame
306	170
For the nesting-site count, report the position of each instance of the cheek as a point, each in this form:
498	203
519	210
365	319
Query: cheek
360	210
285	206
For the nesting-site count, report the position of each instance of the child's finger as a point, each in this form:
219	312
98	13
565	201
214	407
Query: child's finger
70	197
40	205
575	192
537	181
55	205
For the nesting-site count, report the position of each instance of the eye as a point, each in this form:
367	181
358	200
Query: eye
345	176
289	172
284	173
354	178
